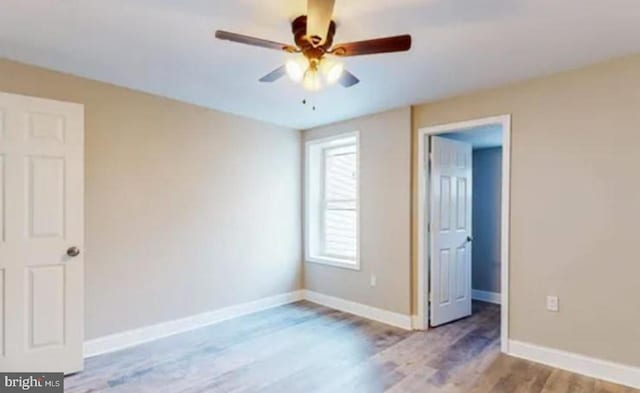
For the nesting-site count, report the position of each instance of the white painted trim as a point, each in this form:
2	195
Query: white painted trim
362	310
422	322
415	322
505	237
423	275
145	334
580	364
336	262
486	296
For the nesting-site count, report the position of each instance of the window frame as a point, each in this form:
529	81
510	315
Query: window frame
315	178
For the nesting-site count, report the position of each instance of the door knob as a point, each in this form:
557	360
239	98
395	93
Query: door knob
73	252
469	239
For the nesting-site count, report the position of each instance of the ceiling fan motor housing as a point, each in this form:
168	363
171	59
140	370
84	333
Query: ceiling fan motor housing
311	47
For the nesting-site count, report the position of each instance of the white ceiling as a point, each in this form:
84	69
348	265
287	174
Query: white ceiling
481	137
166	47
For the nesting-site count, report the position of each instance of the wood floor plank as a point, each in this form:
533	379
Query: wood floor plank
304	347
565	382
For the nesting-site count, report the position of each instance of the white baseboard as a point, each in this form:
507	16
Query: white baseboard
130	338
361	310
486	296
134	337
579	364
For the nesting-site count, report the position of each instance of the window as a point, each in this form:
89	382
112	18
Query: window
339	203
331	200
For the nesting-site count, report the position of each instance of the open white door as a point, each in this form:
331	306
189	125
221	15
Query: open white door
450	232
41	221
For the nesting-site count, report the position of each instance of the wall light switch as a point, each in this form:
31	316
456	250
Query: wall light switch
373	280
553	303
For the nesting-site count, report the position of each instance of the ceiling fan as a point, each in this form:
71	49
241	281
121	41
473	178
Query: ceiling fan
313	35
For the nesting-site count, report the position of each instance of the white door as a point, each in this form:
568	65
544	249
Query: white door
450	232
41	218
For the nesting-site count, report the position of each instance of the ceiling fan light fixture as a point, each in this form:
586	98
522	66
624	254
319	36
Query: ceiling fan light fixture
312	80
296	68
332	70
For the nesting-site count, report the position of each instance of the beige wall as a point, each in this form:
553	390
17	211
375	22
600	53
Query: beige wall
385	204
575	193
187	209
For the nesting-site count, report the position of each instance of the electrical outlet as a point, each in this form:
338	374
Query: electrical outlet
373	280
553	303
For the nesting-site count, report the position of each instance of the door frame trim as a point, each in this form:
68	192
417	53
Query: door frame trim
423	211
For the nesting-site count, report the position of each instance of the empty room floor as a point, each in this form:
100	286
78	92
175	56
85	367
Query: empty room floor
304	347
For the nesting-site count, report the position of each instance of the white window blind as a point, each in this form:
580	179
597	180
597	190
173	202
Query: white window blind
339	215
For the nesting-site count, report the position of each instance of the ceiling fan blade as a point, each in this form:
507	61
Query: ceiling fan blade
248	40
319	14
274	75
348	79
398	43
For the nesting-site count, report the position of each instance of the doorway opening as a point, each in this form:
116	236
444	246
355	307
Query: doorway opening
463	221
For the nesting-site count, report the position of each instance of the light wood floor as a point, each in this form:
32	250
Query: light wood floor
304	347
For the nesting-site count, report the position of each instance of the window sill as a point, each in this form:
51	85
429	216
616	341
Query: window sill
335	262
